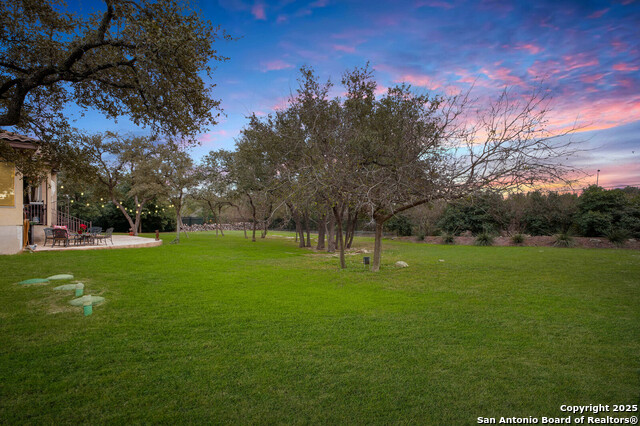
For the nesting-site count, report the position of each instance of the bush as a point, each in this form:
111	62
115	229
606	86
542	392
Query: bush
448	238
421	235
618	236
484	239
517	239
400	224
467	215
563	240
594	223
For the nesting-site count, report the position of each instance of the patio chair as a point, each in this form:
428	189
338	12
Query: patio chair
60	235
108	235
76	238
48	235
93	233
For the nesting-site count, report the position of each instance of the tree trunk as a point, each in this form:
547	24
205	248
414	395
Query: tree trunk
322	224
218	221
136	224
306	226
178	224
351	228
253	235
377	247
299	232
244	228
301	238
253	216
338	215
331	231
266	227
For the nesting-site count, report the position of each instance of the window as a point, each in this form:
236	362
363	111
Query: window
7	184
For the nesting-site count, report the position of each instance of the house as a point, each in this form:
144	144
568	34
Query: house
21	201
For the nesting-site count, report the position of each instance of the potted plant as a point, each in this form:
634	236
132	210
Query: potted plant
131	232
82	229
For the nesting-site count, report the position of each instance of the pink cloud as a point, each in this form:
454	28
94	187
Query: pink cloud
625	67
473	79
281	19
598	14
546	69
503	75
381	90
619	46
530	47
419	80
343	48
596	115
580	60
280	104
591	78
275	65
619	172
627	83
258	11
209	137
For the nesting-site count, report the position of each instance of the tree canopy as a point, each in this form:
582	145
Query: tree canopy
141	58
382	155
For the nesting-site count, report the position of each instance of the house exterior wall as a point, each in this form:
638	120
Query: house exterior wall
11	221
11	217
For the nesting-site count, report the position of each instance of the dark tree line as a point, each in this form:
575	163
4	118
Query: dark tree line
596	212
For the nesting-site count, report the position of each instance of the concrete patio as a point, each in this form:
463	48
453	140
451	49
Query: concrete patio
119	242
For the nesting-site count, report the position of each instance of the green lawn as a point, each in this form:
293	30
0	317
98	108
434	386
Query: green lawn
222	330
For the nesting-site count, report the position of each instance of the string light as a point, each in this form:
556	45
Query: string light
82	193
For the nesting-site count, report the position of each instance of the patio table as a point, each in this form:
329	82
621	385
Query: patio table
82	239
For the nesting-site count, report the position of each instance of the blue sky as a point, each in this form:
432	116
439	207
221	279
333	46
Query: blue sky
587	52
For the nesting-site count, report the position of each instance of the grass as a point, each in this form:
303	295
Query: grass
222	330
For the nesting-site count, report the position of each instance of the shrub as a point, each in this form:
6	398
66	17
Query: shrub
517	239
463	215
594	223
448	238
484	239
618	236
563	240
400	224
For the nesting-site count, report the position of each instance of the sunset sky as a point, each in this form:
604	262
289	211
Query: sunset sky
587	53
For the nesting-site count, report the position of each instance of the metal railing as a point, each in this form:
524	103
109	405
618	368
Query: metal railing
72	223
36	213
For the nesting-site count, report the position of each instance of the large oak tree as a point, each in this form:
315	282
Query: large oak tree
148	60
